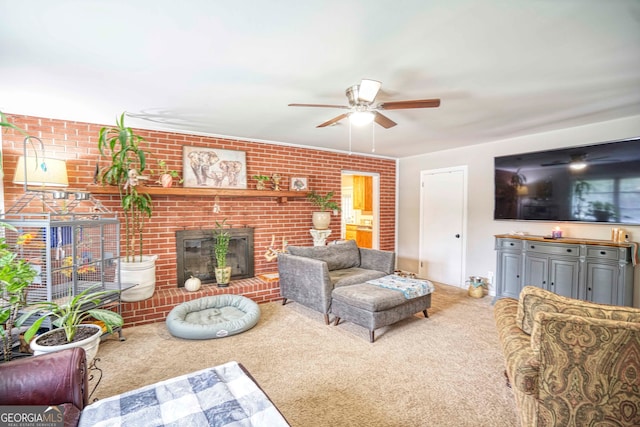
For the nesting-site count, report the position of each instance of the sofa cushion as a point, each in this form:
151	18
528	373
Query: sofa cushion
534	300
368	297
343	255
353	276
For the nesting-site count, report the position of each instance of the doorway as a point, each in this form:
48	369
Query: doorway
443	222
361	208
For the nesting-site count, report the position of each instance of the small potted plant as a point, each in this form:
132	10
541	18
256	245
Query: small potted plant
476	286
220	249
322	218
262	180
69	318
167	176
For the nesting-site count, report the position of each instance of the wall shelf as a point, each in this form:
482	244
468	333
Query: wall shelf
281	196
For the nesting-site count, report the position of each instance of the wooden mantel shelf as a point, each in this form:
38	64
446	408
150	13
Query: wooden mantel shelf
281	196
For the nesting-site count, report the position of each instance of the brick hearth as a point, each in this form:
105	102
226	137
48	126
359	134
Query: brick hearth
156	308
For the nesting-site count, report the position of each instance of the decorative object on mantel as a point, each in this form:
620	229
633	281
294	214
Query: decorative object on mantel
322	218
276	178
128	160
166	175
299	183
272	253
220	249
320	236
262	179
214	168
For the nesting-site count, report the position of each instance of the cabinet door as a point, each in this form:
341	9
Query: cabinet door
536	271
563	277
363	193
510	284
363	239
602	280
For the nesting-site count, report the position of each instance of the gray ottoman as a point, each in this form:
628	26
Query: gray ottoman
373	307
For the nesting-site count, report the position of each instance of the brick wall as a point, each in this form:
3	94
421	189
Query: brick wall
76	143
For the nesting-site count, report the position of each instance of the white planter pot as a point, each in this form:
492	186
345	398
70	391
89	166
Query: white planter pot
321	220
90	344
142	274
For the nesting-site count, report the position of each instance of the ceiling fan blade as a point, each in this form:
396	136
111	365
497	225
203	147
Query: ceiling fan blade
401	105
384	121
332	121
319	105
555	163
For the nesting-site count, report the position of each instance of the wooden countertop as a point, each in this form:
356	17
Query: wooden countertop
569	240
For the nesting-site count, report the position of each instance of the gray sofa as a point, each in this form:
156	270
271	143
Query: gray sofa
308	275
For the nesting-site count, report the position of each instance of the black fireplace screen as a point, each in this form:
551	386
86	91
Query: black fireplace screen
195	256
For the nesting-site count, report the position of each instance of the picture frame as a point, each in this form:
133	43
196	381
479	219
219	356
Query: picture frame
299	183
214	168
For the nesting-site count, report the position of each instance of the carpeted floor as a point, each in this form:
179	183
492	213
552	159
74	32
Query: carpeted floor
446	370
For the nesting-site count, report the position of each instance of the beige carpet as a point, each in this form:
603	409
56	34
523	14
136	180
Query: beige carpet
443	371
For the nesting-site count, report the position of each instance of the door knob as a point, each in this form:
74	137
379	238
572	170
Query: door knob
457	236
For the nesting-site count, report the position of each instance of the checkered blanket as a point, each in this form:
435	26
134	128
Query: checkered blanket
220	396
410	288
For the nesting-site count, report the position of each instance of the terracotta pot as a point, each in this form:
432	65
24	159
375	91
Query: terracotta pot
166	180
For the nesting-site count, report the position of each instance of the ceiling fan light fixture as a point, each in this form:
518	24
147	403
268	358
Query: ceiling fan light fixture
577	165
361	118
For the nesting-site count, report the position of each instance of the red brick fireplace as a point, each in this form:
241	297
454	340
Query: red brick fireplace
269	217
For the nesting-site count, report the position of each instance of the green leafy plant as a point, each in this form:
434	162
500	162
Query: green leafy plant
323	202
15	277
164	170
261	177
221	245
122	145
71	314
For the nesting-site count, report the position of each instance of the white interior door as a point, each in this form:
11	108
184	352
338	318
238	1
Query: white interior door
443	225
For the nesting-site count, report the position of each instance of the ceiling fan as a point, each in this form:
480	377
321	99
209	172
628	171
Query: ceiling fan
576	162
362	109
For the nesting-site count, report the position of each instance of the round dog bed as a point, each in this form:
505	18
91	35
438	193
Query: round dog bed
213	317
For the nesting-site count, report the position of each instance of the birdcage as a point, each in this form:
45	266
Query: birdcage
70	252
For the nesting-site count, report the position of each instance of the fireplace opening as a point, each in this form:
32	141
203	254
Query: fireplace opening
195	256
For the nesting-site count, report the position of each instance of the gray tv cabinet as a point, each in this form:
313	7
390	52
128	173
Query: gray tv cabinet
600	271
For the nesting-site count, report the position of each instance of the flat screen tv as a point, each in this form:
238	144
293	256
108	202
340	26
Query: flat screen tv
595	183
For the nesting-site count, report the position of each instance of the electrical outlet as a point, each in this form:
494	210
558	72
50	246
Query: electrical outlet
490	277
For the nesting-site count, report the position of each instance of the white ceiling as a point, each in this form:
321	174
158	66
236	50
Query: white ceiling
501	68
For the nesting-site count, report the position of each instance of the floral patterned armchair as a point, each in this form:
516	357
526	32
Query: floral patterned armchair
571	362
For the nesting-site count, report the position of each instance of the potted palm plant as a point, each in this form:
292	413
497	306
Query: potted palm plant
69	320
220	249
128	161
322	218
